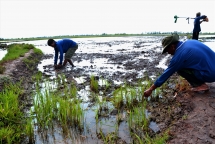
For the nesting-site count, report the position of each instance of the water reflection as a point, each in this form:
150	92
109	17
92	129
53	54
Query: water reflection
3	52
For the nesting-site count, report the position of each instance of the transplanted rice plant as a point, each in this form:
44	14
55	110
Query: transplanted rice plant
158	139
94	85
118	97
52	106
128	96
138	119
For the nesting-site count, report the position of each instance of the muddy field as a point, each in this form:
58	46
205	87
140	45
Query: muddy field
130	60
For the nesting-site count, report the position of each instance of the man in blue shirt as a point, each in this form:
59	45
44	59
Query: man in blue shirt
191	59
66	46
197	27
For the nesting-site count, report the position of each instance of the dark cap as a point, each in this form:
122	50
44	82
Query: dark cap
169	40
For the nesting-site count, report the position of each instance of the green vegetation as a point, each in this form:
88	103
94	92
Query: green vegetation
51	106
18	50
15	124
94	84
12	124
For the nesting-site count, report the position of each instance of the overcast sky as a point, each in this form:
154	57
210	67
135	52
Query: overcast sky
32	18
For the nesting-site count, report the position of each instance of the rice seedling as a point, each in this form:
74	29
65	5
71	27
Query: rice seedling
101	108
105	83
158	139
137	117
29	129
51	107
109	137
146	139
73	90
94	85
118	96
131	97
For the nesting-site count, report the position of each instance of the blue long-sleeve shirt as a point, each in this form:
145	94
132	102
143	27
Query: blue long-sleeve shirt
197	27
194	55
62	46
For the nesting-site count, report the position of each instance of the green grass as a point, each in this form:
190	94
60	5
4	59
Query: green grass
18	50
12	124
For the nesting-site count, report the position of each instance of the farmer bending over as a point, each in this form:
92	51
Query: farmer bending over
66	46
191	59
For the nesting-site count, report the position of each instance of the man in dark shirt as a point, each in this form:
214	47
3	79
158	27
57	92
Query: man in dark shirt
197	27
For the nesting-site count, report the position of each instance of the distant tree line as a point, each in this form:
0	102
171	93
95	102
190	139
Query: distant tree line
101	35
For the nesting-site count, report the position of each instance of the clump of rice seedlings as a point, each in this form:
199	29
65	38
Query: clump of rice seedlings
97	115
50	108
37	78
105	83
131	97
70	114
73	90
63	78
66	89
29	129
94	85
155	94
138	119
158	139
102	107
108	138
118	95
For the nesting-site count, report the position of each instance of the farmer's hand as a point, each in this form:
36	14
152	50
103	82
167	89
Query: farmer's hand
147	93
206	19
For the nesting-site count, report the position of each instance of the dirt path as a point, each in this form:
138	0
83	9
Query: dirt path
199	125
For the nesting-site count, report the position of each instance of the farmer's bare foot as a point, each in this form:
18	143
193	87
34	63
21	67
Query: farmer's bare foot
203	87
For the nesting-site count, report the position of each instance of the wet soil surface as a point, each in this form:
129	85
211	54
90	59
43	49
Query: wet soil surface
189	116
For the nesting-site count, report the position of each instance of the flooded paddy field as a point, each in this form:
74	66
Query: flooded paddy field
106	87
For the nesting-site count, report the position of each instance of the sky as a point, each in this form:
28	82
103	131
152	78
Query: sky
35	18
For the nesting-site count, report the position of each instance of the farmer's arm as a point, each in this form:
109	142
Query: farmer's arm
56	57
61	55
203	17
172	68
